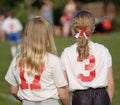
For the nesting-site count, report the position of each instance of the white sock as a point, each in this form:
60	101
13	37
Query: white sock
13	51
18	48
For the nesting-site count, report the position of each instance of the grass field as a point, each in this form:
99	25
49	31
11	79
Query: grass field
112	41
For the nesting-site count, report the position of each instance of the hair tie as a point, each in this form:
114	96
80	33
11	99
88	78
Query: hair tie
82	33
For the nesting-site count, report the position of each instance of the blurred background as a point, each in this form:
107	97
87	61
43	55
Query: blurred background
105	11
60	13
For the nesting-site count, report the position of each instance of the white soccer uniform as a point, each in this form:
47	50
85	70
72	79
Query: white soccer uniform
91	72
51	77
12	25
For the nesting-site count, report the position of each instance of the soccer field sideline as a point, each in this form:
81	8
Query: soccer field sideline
111	41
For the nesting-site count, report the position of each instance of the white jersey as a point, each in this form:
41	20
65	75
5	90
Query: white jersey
38	88
11	25
91	72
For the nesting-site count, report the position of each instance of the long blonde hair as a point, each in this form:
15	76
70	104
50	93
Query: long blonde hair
83	19
38	41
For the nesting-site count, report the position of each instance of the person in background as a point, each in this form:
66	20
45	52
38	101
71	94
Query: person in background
88	65
108	16
12	28
2	34
35	74
107	20
47	10
66	17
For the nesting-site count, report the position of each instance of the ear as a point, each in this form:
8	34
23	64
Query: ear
93	29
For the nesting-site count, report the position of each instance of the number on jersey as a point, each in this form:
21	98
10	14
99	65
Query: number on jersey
89	67
34	85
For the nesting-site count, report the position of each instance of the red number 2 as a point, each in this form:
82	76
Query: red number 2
24	85
89	67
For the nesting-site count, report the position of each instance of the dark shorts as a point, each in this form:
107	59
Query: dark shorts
14	37
91	96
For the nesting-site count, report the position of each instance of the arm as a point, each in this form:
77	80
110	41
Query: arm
14	91
110	87
67	81
64	95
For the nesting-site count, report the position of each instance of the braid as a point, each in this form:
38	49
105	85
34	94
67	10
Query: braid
82	47
83	24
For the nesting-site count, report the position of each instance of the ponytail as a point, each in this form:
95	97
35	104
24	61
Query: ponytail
83	25
82	44
82	48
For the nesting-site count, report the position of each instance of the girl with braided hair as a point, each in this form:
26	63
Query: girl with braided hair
88	65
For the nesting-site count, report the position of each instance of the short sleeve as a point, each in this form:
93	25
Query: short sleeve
18	25
109	58
59	77
10	77
63	60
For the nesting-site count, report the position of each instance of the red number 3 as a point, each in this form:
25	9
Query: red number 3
89	67
24	84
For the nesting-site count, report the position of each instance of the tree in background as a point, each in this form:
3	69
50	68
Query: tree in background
23	7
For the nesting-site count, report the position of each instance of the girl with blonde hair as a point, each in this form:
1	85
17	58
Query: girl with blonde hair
88	65
35	74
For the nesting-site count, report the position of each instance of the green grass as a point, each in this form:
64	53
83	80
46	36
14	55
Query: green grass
112	41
